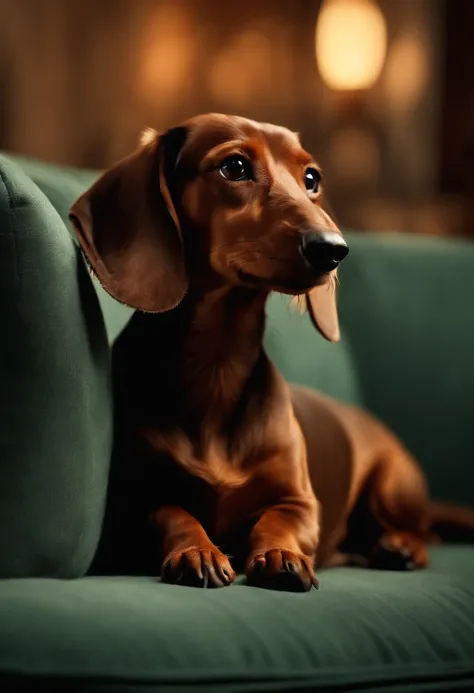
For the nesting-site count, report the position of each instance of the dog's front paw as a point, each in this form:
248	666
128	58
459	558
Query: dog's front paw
278	569
198	567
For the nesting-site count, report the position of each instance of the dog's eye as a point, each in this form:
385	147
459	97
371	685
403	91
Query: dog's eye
312	178
236	168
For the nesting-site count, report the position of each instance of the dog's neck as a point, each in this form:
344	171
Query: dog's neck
201	361
221	347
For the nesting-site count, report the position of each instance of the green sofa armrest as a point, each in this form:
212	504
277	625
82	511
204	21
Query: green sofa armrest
406	313
55	391
62	185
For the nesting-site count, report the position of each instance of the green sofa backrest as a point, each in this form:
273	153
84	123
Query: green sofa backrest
407	338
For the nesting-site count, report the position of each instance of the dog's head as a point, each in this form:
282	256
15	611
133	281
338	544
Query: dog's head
220	199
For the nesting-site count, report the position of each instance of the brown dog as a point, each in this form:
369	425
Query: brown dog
195	229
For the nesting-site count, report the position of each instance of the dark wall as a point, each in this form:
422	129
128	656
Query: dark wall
457	162
79	80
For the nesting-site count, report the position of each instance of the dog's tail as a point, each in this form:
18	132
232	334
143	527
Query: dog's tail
453	523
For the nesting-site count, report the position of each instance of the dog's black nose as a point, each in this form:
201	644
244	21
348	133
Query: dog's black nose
323	250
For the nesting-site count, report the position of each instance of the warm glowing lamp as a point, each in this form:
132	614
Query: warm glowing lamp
351	43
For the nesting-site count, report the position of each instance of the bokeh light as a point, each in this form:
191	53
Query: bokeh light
351	43
168	51
407	71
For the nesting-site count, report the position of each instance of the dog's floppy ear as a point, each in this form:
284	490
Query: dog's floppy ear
129	230
321	303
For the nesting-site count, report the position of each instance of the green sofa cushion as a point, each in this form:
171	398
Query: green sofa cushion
362	631
406	307
305	358
55	398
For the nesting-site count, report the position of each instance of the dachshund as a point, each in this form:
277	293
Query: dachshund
220	465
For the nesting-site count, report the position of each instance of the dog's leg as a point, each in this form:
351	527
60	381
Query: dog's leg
190	556
399	501
282	547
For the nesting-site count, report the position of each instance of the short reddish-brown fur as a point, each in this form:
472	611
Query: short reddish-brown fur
213	447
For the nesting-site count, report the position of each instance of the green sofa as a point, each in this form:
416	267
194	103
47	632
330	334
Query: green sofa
407	354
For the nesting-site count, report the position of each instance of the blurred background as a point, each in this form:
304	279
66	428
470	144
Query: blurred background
381	91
